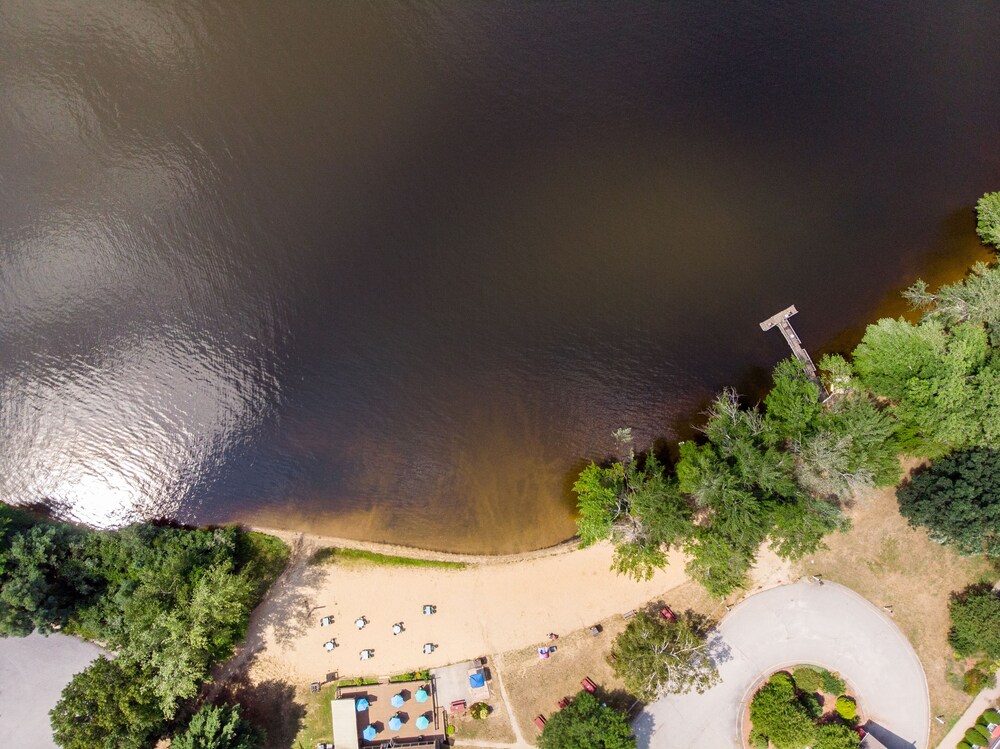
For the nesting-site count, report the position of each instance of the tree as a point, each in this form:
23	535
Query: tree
655	657
988	218
957	499
218	727
637	507
975	622
104	707
43	578
779	717
976	298
894	352
792	405
587	724
853	448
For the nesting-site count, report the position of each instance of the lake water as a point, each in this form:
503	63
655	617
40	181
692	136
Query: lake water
391	271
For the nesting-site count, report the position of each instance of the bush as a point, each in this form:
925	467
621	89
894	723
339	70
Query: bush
479	710
807	679
812	704
832	683
847	708
992	716
450	730
963	745
779	717
973	737
976	680
981	730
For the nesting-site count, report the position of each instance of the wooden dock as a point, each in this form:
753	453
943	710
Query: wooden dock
795	344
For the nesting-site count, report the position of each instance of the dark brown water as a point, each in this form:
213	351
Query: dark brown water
391	270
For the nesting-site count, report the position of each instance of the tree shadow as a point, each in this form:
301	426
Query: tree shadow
271	706
718	650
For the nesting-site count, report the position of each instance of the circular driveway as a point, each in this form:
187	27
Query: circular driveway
827	625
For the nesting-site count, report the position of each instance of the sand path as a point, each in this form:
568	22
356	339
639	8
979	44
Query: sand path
493	605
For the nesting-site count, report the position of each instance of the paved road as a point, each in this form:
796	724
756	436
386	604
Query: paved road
33	671
827	625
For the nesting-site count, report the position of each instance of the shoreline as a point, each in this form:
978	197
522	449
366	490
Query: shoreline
317	541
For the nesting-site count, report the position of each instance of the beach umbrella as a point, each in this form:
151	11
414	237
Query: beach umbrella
397	700
422	722
361	705
420	695
369	733
394	723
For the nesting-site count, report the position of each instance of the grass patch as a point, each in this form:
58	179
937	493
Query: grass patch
412	676
317	725
336	555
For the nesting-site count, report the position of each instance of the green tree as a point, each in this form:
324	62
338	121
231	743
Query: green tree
635	505
853	449
988	218
893	353
587	724
104	707
655	657
778	716
218	727
975	622
792	405
43	578
957	499
976	299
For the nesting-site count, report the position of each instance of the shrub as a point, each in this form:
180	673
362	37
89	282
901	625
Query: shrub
779	717
976	680
479	710
963	745
992	716
757	739
832	683
807	679
973	737
981	730
450	730
847	708
812	704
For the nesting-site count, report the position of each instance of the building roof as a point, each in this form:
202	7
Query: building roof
345	724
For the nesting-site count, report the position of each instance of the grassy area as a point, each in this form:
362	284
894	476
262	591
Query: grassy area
336	555
317	725
411	676
893	565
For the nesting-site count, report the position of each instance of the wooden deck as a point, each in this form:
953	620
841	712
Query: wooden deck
795	344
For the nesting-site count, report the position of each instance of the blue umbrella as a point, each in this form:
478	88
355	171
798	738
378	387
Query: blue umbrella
395	723
420	695
397	700
369	733
361	705
422	722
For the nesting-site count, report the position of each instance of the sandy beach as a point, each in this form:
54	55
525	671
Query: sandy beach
491	606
